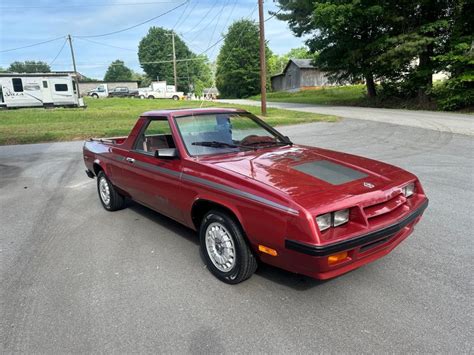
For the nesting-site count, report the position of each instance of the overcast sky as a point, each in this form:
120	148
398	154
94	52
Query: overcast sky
202	22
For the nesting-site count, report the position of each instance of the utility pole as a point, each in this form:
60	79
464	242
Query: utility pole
263	69
174	64
76	79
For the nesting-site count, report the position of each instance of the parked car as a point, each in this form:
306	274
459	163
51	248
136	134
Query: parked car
123	92
254	196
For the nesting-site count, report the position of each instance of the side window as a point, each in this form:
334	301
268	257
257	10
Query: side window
45	84
60	87
157	135
17	85
74	85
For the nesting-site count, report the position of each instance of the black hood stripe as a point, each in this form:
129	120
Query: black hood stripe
330	172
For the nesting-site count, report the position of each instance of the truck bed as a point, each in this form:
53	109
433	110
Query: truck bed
109	140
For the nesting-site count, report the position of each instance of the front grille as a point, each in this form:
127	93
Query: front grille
387	207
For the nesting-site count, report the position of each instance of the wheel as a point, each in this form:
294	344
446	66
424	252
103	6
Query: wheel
109	197
95	96
151	97
142	97
224	248
175	98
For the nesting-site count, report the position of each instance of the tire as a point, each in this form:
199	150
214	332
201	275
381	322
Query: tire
142	97
105	188
228	257
175	97
95	96
151	97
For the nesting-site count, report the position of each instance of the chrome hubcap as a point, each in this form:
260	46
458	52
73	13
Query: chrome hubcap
104	191
220	247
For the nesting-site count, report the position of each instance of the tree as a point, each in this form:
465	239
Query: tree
394	41
347	35
238	62
85	79
418	32
458	91
117	71
155	53
143	80
29	66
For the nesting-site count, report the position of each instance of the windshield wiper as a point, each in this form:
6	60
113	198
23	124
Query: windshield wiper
267	143
216	144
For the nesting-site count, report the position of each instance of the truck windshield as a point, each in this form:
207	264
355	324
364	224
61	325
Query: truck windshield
220	133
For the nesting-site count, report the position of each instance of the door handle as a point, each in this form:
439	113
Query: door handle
130	160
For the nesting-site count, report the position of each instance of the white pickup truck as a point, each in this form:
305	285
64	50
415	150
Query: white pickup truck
159	90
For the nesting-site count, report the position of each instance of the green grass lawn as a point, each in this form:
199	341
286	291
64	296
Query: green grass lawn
343	95
110	117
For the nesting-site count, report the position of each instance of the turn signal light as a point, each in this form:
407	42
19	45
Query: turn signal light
333	259
267	250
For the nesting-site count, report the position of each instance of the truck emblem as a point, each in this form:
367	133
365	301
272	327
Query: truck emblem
369	185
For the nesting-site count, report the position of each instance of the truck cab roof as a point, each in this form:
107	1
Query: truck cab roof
190	111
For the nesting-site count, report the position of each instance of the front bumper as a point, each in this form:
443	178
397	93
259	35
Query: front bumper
362	249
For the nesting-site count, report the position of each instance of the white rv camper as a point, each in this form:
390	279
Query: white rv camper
38	89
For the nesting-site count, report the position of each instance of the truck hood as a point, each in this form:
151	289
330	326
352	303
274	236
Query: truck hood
304	172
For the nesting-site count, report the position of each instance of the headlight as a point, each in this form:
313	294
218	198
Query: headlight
341	217
409	189
332	219
324	221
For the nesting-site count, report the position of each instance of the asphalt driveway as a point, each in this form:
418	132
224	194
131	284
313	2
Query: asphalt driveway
440	121
75	278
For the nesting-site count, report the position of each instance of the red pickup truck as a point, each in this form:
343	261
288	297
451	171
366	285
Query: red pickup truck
254	196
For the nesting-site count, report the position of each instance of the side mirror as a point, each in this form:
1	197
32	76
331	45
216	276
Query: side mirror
167	153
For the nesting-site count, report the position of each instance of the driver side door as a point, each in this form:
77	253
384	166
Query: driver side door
154	181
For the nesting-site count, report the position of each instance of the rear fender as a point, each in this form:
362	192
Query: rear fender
101	165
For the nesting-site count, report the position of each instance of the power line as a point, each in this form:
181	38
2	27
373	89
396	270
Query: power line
206	26
105	44
170	61
134	26
182	14
227	20
202	19
96	64
86	5
57	55
179	23
273	15
199	49
217	22
221	39
31	45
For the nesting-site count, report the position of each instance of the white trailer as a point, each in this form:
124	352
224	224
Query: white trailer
160	90
38	90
